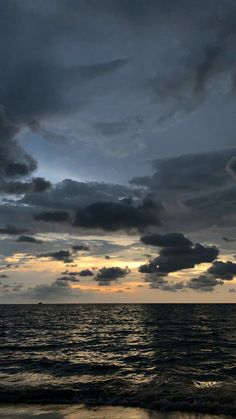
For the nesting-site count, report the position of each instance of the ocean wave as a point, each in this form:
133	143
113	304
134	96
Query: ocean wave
199	397
169	358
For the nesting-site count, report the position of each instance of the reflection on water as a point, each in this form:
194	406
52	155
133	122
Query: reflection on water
172	357
80	412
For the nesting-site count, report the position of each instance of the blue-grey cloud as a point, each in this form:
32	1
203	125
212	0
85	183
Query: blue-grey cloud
106	275
111	216
59	255
166	240
28	239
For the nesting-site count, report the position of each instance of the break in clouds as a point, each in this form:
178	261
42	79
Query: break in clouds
117	139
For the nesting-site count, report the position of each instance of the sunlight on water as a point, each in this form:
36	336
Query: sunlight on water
171	357
80	412
202	384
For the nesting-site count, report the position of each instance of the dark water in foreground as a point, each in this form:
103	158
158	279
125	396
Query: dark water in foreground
167	357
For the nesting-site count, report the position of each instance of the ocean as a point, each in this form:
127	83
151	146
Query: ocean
165	357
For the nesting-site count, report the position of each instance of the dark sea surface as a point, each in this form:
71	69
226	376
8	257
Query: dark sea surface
158	356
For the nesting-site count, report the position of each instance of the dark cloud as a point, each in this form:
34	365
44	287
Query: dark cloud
173	287
40	184
226	197
151	204
141	181
111	128
198	73
35	185
100	69
106	275
213	53
134	68
14	162
70	194
199	181
111	216
157	280
58	290
12	230
74	274
166	240
231	167
190	186
228	239
215	275
164	285
68	278
176	258
50	83
212	208
80	248
193	172
223	270
35	69
53	216
28	239
126	200
16	169
112	273
34	85
60	255
150	268
86	272
204	283
147	12
210	55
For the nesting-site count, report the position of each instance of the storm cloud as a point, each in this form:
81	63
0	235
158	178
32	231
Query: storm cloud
53	216
68	278
190	173
177	257
204	283
217	274
190	186
59	255
106	275
166	240
70	194
28	239
96	93
111	216
86	272
223	270
12	230
35	75
80	248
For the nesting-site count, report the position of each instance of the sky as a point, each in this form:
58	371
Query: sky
117	151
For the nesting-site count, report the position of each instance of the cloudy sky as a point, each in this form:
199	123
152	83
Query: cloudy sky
117	151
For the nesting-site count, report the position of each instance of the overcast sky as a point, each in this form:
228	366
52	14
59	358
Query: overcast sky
117	151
